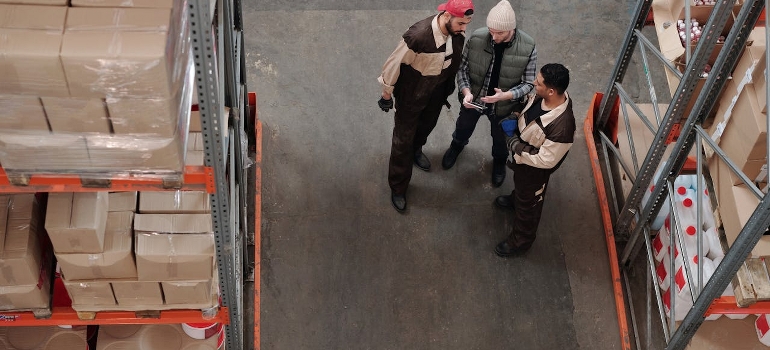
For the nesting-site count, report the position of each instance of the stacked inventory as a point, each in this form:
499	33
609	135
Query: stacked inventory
25	255
94	89
161	258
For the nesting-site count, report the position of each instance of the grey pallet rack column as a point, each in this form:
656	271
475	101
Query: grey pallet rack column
632	223
222	148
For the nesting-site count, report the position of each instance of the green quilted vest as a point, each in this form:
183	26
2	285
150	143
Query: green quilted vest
515	59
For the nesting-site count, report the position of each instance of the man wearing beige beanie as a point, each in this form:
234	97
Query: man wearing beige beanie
497	71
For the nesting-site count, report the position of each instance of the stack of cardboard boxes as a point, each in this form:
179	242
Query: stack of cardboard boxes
25	255
738	120
114	259
95	87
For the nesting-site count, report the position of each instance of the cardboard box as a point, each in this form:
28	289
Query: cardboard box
29	52
195	141
736	204
33	152
144	116
70	114
76	221
122	201
744	137
22	297
124	3
43	338
188	292
22	113
194	158
175	202
173	223
125	52
92	293
195	118
117	260
135	293
174	257
136	153
21	259
149	337
667	12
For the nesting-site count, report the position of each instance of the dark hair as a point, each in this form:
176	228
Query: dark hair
468	12
555	76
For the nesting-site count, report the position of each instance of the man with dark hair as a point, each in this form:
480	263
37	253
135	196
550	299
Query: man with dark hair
420	74
538	138
496	74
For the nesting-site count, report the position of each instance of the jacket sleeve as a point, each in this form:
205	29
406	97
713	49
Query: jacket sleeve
545	157
392	67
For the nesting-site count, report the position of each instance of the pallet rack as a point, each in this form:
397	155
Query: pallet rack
626	218
220	79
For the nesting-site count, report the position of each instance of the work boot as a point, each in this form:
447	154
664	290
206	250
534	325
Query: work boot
505	250
498	172
504	202
399	202
421	161
450	156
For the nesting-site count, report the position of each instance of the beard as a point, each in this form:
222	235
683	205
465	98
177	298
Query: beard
448	26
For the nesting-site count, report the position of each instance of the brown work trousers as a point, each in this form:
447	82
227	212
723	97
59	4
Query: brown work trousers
410	133
528	196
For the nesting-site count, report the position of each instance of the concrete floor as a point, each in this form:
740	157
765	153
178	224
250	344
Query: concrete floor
340	268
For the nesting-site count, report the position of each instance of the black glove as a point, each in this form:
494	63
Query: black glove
384	104
512	142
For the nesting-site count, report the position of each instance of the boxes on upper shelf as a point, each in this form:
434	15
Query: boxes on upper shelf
22	113
29	53
122	201
70	114
76	221
124	3
91	293
188	292
138	293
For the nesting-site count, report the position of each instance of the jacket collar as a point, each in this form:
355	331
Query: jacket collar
549	117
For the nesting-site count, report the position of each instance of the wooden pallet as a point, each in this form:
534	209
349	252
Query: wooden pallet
89	312
104	181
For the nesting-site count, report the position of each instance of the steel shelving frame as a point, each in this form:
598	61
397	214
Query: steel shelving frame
628	217
220	79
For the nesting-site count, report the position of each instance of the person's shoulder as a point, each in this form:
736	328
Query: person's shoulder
418	32
523	36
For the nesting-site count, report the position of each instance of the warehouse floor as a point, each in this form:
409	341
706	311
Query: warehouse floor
340	268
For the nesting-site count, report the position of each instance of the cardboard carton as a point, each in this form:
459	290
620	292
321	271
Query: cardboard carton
76	221
92	293
43	152
22	297
194	158
70	114
123	201
745	134
174	202
124	3
29	52
117	260
22	255
736	204
144	116
172	223
125	52
195	141
174	257
43	338
188	292
22	113
136	293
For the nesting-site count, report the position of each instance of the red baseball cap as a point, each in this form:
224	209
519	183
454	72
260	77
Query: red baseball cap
456	8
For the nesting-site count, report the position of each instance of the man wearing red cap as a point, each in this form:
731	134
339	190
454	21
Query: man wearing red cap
420	75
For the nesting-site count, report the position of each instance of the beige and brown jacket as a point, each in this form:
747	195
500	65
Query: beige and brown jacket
546	140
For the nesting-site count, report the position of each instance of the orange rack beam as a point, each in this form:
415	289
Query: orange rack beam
196	178
728	305
67	316
609	235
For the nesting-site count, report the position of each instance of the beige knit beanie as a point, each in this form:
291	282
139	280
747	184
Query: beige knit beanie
501	17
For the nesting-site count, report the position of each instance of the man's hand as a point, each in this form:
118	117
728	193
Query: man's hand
467	99
498	96
384	104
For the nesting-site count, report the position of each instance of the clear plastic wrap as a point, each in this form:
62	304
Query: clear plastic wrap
33	152
123	3
30	37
